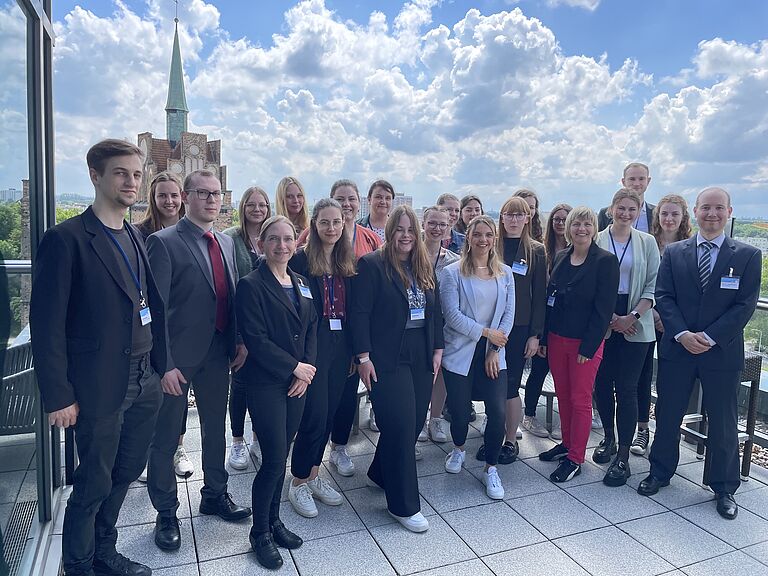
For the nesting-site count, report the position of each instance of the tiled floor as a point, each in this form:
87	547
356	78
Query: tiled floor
579	528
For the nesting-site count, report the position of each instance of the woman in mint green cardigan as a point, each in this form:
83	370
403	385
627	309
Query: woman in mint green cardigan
254	210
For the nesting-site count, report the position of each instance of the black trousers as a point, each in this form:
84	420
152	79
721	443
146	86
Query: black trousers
278	421
400	399
323	396
535	383
238	404
616	386
514	353
112	449
644	384
345	412
720	389
493	392
210	379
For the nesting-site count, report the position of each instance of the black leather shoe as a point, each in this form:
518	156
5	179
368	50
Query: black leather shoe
508	453
224	507
481	453
555	453
605	451
266	552
651	485
618	473
167	532
118	565
284	537
726	506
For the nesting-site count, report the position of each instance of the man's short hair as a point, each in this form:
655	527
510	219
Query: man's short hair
202	173
710	189
636	165
101	152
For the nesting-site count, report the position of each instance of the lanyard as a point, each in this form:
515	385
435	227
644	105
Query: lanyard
615	252
329	281
438	257
136	277
354	235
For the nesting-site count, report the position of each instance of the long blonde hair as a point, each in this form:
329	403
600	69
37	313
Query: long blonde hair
301	220
421	267
517	204
466	266
153	213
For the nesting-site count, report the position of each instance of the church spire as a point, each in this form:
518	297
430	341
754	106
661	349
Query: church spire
176	105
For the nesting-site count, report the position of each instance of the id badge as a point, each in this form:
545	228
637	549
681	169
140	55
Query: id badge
551	301
417	313
520	268
335	324
729	282
305	291
145	316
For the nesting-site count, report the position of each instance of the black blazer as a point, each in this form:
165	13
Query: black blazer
584	303
604	220
719	312
531	290
279	336
81	318
380	311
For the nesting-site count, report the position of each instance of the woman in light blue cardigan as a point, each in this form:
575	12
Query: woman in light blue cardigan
478	300
630	333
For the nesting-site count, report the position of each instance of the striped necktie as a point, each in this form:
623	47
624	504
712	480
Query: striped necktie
705	263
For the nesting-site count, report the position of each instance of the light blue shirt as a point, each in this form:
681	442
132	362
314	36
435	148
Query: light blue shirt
642	219
713	252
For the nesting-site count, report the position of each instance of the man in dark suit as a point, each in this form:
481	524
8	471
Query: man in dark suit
636	178
196	274
98	337
706	292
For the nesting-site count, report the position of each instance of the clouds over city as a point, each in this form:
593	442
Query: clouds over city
487	103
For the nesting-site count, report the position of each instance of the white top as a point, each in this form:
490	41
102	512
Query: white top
486	294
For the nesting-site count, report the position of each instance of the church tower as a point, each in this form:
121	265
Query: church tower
176	106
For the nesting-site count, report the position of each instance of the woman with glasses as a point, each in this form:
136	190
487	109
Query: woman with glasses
452	240
533	203
291	202
328	263
253	211
470	207
381	194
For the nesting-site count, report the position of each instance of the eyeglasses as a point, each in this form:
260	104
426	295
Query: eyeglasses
338	223
204	194
514	215
558	220
438	225
250	206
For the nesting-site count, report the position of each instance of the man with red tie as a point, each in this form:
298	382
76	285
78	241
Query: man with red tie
194	266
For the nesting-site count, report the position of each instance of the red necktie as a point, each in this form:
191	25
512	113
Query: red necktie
219	281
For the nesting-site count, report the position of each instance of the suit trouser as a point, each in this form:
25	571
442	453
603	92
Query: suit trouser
238	404
535	383
644	383
720	390
345	413
210	379
112	450
400	399
514	354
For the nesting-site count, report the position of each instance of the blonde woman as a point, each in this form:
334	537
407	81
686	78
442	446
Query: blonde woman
291	202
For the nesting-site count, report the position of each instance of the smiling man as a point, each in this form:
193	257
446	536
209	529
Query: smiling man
636	178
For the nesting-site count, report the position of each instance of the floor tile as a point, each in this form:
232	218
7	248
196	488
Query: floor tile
755	501
675	539
341	555
358	479
138	542
137	507
615	504
471	446
680	492
446	492
10	483
758	551
185	570
745	530
492	528
197	460
467	568
556	514
216	538
736	563
238	485
432	461
531	446
246	565
16	457
409	552
610	552
331	520
371	506
544	558
518	480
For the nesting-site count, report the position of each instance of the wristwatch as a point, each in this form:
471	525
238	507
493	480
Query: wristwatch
636	314
363	360
495	348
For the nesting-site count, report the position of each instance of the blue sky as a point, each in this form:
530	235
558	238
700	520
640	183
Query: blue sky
464	96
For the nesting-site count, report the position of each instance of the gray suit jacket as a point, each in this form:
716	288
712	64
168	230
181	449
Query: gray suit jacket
184	280
461	332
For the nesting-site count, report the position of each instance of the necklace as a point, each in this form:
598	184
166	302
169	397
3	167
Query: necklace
482	267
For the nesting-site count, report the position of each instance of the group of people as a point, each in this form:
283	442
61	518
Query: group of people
283	315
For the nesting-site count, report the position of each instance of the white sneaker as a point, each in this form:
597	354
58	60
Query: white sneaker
493	487
519	434
556	434
238	456
454	460
342	461
182	465
322	490
143	476
415	523
372	422
417	452
483	424
437	430
423	435
532	425
301	499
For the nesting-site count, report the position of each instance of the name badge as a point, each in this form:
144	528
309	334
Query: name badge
305	291
551	301
520	268
729	282
417	314
145	316
335	324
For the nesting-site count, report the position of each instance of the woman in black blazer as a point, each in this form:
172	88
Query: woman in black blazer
328	262
581	297
276	318
397	331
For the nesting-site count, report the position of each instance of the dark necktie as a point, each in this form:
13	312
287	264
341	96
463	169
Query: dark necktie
219	281
704	263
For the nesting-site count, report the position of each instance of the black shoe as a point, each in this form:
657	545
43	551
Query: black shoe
224	507
618	473
651	485
509	452
167	532
118	565
565	471
472	413
266	552
481	453
605	451
284	537
554	453
726	506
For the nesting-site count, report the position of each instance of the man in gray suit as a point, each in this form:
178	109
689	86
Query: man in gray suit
194	266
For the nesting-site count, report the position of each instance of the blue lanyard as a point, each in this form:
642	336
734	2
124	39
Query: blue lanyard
136	278
354	235
615	252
